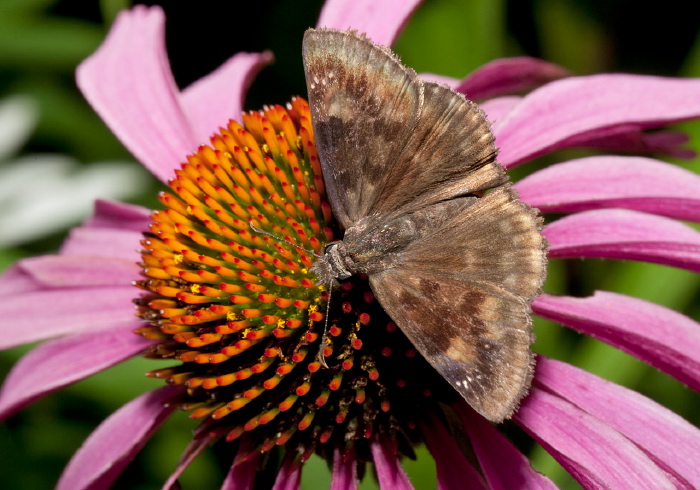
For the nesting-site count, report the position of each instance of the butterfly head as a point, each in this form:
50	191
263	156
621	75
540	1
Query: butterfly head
335	264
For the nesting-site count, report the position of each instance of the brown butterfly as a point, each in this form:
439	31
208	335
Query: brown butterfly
407	164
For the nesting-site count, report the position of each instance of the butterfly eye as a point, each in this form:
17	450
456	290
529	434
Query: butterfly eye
329	246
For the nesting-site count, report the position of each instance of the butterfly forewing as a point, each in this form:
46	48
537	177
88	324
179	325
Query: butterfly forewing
389	142
364	106
451	153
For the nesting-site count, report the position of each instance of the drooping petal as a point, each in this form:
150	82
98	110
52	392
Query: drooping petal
107	451
595	454
40	315
58	363
193	449
214	99
16	280
344	474
289	476
551	116
595	182
632	138
623	234
69	270
504	467
497	110
241	475
389	471
668	439
129	84
657	335
453	469
119	216
381	21
507	76
103	242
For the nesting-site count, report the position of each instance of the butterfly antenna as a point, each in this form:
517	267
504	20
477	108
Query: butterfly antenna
321	356
262	232
324	338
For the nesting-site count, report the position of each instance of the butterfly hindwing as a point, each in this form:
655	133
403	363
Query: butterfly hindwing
476	335
460	291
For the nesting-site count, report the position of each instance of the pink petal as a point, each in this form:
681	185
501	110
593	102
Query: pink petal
119	216
381	21
502	464
389	471
129	84
622	234
107	451
497	110
58	363
289	475
670	441
595	454
29	317
551	116
453	469
103	242
443	79
633	138
509	76
241	476
657	335
344	475
16	280
67	271
635	183
194	448
212	101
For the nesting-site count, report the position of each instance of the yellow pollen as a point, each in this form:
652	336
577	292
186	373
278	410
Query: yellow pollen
232	316
190	211
178	258
195	288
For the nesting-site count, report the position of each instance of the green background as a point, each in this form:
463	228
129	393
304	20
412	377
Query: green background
42	41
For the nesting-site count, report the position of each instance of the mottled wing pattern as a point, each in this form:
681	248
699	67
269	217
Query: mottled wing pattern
450	154
364	107
461	294
390	143
396	151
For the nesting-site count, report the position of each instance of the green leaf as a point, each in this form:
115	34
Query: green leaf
453	38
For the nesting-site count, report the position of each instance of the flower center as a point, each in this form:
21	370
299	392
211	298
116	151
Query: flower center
246	318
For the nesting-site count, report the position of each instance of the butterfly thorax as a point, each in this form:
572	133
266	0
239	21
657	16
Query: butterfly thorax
368	247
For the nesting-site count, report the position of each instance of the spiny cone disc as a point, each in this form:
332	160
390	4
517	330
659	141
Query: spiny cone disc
245	317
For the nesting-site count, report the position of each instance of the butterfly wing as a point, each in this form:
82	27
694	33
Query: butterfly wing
461	293
388	142
395	149
364	105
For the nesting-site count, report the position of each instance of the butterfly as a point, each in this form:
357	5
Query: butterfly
452	254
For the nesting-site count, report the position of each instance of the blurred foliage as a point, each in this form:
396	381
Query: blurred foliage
42	41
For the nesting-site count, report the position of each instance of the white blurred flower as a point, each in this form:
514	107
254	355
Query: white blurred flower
41	194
